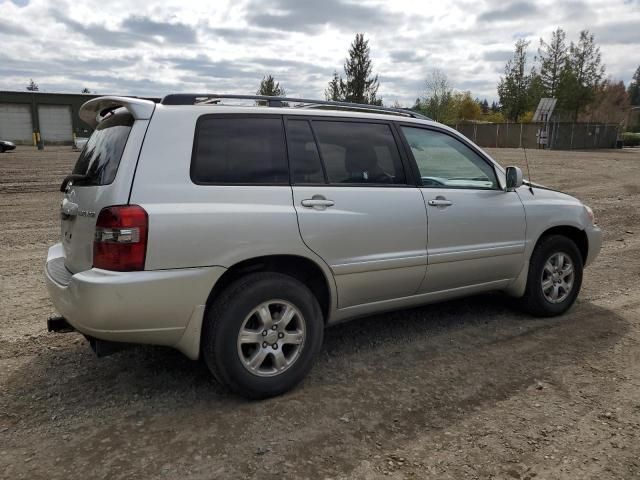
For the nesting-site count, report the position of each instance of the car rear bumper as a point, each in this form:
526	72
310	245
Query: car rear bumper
162	307
594	237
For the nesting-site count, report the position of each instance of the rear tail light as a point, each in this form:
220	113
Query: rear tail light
120	243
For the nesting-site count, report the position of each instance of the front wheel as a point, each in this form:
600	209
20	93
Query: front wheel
555	277
262	334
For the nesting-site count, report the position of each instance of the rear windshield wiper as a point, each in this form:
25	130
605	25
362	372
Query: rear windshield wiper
69	178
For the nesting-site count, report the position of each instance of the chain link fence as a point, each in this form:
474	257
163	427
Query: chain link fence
554	135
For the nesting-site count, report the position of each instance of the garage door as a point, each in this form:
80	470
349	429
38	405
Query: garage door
15	122
55	123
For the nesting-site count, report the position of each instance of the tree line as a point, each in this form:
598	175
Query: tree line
359	84
571	72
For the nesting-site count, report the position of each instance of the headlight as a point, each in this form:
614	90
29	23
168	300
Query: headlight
590	214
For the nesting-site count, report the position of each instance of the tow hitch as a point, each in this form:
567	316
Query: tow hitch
59	325
101	348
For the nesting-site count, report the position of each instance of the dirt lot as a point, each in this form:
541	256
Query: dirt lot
465	389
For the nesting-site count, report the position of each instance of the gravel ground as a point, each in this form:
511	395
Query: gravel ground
464	389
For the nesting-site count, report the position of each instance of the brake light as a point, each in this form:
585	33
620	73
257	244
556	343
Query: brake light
120	242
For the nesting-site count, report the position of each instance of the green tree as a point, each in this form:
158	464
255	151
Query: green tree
537	89
581	77
85	90
466	107
360	85
553	58
33	86
269	87
514	88
335	90
634	88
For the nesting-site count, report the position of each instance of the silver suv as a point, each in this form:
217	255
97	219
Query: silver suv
237	233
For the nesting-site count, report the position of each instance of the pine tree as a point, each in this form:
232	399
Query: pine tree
553	57
335	90
361	86
269	87
514	88
33	86
634	88
581	77
484	105
536	89
495	107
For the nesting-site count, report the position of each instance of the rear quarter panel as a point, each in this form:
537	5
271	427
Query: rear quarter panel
205	225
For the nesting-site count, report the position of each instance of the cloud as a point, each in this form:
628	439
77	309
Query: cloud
624	32
9	28
497	55
169	32
311	15
512	11
235	34
407	56
151	48
95	32
133	29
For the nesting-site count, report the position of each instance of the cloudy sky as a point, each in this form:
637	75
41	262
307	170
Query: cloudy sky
144	47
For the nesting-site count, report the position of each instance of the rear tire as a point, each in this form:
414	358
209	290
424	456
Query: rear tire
262	334
555	277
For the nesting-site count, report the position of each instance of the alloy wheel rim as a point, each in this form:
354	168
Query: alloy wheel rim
271	338
557	277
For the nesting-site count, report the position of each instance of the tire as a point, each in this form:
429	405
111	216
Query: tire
1	149
543	300
241	306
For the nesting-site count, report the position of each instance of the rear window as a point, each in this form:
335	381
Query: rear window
359	153
101	155
232	150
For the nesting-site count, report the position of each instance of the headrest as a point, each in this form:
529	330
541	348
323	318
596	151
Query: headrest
360	158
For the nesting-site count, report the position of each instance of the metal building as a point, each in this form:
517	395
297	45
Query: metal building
28	117
52	116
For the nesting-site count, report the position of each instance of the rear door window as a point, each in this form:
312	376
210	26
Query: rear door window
239	150
303	153
101	156
359	153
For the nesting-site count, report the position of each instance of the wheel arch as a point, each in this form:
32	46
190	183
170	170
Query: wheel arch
303	269
576	235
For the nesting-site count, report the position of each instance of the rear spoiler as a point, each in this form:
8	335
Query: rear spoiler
93	111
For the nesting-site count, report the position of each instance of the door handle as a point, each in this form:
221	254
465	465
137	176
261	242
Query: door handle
318	202
440	202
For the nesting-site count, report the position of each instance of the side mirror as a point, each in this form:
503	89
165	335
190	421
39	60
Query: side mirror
514	178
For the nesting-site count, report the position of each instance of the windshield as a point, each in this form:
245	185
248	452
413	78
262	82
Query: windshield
100	157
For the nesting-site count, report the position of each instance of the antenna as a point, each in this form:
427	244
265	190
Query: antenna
526	161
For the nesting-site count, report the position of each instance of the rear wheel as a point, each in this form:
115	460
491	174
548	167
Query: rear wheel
262	334
555	277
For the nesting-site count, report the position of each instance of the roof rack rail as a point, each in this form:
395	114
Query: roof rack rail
209	98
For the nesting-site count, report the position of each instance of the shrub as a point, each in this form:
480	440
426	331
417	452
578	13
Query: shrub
631	139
